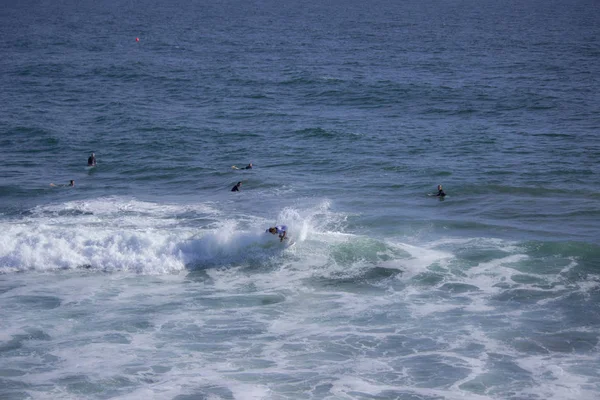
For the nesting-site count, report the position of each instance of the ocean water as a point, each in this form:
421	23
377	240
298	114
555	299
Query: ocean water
150	279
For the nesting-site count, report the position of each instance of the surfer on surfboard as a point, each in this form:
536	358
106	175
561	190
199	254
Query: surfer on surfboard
280	230
249	166
71	184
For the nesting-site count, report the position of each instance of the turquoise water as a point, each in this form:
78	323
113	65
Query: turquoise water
151	279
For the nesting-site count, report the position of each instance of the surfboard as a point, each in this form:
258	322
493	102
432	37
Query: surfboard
288	242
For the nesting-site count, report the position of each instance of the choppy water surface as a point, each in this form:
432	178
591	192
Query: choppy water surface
151	279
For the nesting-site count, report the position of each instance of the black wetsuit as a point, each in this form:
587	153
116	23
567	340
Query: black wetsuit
91	161
248	167
440	193
236	188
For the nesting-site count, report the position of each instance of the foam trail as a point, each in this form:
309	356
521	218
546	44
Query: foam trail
48	247
115	234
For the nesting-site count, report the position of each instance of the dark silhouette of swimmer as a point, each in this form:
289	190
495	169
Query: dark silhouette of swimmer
236	188
92	160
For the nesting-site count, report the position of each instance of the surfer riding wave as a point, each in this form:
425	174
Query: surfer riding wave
280	230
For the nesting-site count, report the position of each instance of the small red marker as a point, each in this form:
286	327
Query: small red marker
137	39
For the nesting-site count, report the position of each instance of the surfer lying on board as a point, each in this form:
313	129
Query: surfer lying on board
280	230
236	188
71	183
92	160
249	166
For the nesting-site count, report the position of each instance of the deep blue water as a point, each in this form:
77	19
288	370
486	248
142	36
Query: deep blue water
151	279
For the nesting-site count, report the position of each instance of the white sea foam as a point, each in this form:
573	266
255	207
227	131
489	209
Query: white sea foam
250	319
115	234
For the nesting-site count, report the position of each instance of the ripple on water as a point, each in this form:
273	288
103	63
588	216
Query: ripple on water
38	302
563	342
18	341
